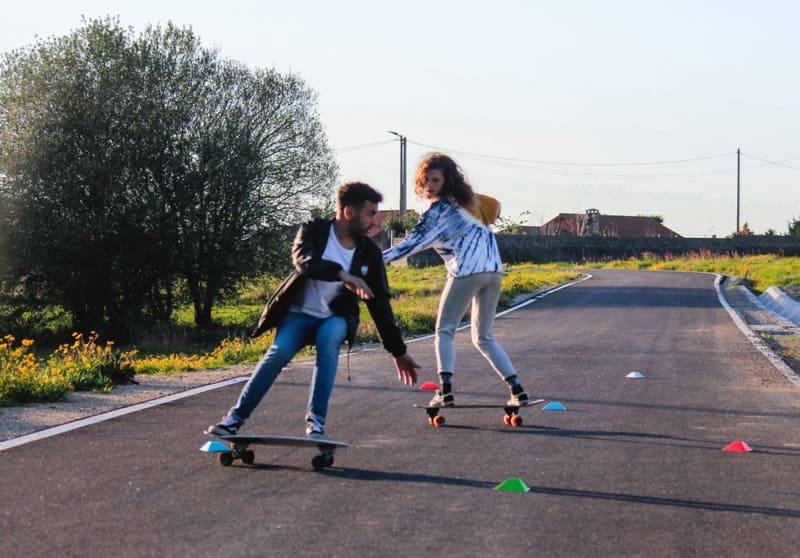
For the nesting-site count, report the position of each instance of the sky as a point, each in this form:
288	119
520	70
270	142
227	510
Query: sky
629	107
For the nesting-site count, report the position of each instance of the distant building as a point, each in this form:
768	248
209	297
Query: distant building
594	223
379	235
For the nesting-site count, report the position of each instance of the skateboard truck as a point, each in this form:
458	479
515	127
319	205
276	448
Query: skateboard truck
231	448
510	418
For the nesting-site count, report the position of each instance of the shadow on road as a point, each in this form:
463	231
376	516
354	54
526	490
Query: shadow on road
393	476
624	437
650	500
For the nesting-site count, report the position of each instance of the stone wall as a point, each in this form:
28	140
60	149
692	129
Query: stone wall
541	249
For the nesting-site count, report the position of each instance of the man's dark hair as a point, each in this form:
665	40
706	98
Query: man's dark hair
355	194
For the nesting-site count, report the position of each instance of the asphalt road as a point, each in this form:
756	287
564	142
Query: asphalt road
633	467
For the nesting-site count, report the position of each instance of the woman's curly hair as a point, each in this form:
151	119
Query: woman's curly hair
455	185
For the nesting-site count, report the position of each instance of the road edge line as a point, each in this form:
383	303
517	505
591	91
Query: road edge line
102	417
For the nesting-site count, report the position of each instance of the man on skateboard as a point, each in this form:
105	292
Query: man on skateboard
335	266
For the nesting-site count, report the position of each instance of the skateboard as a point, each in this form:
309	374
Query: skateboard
511	417
236	447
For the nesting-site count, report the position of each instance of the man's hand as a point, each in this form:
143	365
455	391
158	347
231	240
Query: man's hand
356	285
406	369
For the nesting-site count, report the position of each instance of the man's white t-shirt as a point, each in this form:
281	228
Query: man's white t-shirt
316	294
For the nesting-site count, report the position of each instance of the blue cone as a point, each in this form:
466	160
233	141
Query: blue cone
214	447
554	406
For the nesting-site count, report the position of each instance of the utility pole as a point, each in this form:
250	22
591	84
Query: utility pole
738	175
402	171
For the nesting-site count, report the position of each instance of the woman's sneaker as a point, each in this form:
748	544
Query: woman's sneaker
442	399
315	431
228	427
519	397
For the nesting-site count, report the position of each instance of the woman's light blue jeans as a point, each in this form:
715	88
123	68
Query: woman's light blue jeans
482	290
296	331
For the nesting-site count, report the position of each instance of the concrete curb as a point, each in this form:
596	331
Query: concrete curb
753	337
777	301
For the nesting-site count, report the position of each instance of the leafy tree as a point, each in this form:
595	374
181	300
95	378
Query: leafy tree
400	224
509	225
68	185
131	166
251	158
794	227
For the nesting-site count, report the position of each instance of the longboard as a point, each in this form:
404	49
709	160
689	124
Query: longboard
511	417
236	447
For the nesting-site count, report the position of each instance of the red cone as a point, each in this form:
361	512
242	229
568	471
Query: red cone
737	446
429	385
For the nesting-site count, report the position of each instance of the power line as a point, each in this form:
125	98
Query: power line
533	163
572	163
567	172
769	163
362	146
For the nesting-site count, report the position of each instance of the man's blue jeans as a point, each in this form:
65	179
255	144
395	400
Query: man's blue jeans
296	331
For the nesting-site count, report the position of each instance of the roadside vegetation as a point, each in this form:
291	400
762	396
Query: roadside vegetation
31	374
758	272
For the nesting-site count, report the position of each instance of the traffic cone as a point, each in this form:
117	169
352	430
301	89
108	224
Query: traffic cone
429	386
214	447
554	406
738	446
635	375
512	485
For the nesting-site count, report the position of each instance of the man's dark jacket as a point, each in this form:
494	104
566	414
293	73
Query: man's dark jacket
307	250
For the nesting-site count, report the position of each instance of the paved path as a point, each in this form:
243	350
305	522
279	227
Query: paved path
631	468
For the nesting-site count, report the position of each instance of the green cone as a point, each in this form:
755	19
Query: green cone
512	485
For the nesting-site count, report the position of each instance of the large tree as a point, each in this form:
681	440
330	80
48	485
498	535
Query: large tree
133	166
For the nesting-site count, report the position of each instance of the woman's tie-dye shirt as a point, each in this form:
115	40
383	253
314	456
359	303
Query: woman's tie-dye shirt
466	245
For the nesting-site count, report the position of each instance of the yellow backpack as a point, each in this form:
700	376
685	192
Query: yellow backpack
485	208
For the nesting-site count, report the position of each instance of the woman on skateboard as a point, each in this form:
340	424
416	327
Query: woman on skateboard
456	225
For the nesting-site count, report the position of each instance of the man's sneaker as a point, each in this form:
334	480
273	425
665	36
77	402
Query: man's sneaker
519	397
442	399
228	427
315	431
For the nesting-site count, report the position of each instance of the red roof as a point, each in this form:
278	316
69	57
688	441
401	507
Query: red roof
379	219
580	224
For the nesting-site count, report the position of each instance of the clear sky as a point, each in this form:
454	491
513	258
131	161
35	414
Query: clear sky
633	107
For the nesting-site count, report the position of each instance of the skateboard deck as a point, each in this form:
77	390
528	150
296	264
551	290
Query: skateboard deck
236	447
511	417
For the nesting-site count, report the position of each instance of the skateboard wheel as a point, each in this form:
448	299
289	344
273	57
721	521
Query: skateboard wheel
248	457
225	458
437	421
507	420
516	420
321	461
